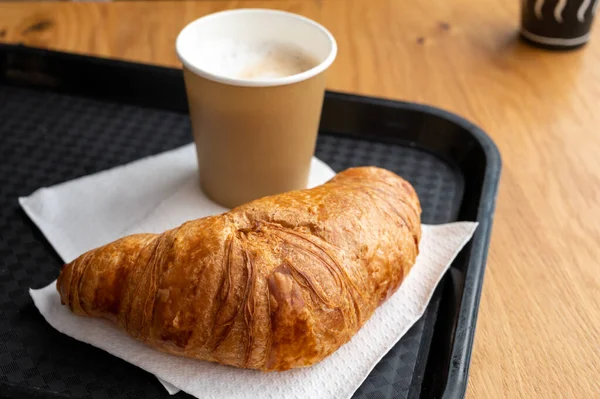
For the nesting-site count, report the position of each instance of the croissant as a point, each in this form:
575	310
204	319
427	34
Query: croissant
277	283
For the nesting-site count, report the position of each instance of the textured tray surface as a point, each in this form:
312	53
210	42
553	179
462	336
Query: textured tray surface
48	138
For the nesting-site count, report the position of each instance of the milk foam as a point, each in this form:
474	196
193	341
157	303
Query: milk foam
252	60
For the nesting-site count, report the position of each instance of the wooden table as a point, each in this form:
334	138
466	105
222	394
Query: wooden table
538	334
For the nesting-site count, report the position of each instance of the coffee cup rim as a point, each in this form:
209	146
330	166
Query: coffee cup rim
264	82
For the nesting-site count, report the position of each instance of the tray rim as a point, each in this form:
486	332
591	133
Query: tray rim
456	381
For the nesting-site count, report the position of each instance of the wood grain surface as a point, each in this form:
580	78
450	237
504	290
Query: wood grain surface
538	333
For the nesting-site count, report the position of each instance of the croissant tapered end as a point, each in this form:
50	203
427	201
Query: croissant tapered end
64	276
278	283
92	284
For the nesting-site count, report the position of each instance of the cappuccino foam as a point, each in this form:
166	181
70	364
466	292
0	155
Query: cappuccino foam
253	60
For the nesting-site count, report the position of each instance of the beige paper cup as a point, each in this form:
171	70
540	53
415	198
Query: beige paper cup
254	137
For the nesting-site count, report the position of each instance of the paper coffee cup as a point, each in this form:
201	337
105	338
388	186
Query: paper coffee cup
255	81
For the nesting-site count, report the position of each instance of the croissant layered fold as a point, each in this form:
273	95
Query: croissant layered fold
277	283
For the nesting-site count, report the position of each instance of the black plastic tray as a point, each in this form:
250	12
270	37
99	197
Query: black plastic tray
64	116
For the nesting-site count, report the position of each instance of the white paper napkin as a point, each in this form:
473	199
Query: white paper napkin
161	192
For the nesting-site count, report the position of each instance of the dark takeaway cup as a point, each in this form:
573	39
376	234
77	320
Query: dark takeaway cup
557	24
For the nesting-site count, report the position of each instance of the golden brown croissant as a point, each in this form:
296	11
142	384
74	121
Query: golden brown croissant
277	283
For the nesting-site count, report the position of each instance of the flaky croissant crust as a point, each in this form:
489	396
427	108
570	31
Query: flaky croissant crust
278	283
